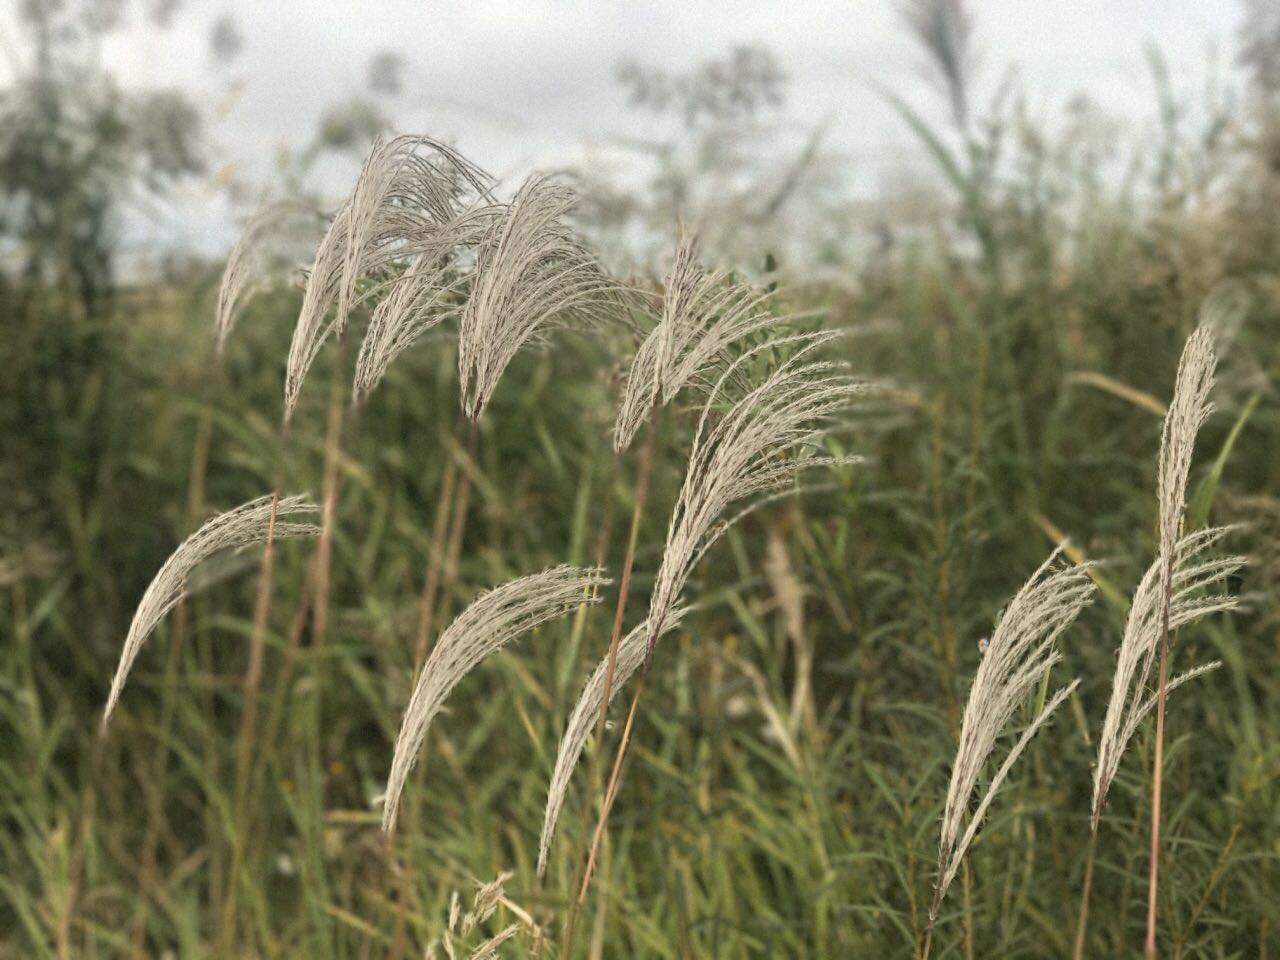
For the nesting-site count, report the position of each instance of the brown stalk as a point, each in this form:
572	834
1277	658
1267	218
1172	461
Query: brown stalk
155	809
436	551
332	478
430	594
624	586
1086	889
458	526
1157	776
249	717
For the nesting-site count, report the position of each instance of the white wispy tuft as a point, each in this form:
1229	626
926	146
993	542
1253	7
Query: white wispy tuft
703	316
1172	592
1019	655
752	452
631	653
1187	413
747	454
531	275
245	526
270	244
492	621
409	186
1131	696
426	294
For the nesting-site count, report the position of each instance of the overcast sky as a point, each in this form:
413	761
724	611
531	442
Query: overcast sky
523	84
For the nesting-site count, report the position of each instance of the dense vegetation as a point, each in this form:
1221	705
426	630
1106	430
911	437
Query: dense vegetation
1028	331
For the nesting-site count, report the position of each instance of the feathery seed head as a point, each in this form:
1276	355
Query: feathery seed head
493	620
1020	653
269	239
704	316
409	187
248	524
531	274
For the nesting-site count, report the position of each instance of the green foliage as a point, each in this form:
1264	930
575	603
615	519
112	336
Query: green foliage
737	833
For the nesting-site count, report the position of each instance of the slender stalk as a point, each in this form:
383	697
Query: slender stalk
453	551
323	562
611	790
436	550
1086	888
933	910
458	526
155	808
1157	777
628	561
249	717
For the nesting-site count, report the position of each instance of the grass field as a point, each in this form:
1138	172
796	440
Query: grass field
768	808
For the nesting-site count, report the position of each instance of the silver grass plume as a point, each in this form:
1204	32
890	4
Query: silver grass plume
1131	697
426	294
752	453
268	239
237	529
493	620
531	274
1019	656
703	315
631	653
1188	411
409	186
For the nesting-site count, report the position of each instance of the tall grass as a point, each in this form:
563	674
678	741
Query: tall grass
804	731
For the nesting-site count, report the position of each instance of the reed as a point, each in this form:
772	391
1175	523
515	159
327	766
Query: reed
491	622
1018	659
1196	571
747	455
259	521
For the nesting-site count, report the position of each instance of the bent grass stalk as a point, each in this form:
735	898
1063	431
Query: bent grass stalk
155	808
1187	413
740	456
703	316
1019	657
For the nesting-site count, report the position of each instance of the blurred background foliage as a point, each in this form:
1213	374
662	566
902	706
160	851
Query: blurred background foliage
1028	306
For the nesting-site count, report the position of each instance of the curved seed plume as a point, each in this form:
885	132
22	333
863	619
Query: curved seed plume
751	453
631	653
703	315
531	274
1187	413
237	529
1019	655
492	621
269	240
1194	572
409	186
426	294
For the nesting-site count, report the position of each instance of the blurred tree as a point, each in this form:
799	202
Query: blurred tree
75	148
715	162
76	151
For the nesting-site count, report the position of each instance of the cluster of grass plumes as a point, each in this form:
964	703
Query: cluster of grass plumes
735	830
405	230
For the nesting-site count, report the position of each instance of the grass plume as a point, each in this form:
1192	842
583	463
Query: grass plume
531	274
704	315
492	621
408	188
750	453
269	240
1019	656
1188	412
238	529
1195	572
